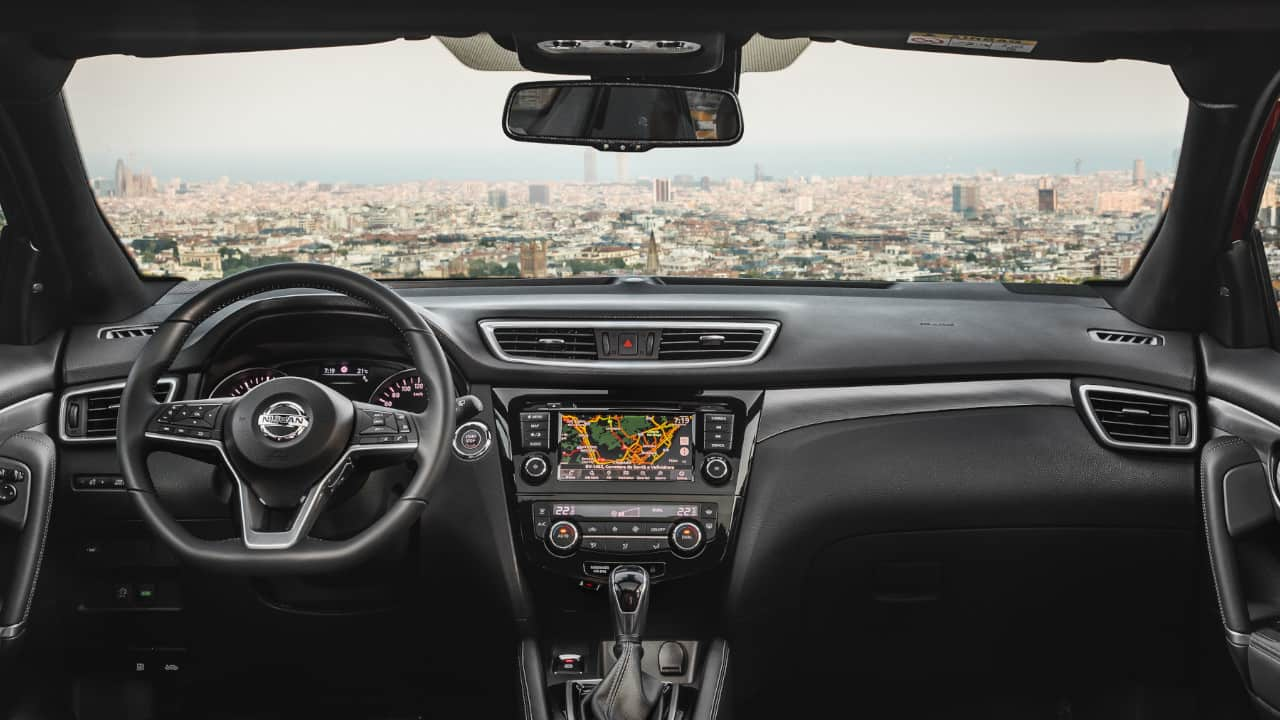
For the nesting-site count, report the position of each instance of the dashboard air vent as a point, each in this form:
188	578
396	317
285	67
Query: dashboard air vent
549	343
709	343
1137	419
1125	337
91	414
123	332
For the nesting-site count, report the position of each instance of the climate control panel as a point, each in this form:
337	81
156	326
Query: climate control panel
575	535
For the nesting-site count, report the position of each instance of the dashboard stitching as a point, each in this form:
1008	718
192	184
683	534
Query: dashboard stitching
1208	534
724	667
524	684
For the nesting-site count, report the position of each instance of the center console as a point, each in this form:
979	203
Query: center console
607	483
602	479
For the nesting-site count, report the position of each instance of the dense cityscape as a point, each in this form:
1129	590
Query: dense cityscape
981	227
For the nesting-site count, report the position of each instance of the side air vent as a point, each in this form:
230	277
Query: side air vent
548	343
709	343
1140	420
1125	337
636	345
123	332
91	414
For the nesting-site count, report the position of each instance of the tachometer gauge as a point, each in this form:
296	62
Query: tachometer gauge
241	382
403	391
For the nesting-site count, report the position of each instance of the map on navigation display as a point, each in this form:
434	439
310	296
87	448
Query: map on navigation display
613	446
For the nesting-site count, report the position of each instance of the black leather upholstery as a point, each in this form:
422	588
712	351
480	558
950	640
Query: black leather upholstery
1218	457
713	689
35	450
626	693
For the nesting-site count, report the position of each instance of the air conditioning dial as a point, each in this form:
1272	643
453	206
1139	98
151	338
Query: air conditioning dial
563	536
686	538
716	469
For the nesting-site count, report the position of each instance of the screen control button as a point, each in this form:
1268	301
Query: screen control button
535	469
716	469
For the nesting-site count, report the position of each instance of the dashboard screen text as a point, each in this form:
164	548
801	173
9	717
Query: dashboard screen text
603	445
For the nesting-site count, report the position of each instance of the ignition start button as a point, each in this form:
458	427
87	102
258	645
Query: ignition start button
472	440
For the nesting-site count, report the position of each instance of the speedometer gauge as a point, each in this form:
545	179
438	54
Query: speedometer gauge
239	383
403	391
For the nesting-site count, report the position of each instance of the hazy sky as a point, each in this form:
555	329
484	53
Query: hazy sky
408	110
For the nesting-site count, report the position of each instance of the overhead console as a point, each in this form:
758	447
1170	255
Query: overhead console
602	478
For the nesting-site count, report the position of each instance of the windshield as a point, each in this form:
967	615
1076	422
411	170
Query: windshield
856	165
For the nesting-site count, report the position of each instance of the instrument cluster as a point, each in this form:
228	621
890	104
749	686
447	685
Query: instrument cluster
388	384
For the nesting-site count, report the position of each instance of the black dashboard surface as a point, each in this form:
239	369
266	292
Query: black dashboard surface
828	335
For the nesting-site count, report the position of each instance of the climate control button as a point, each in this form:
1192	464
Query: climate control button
686	538
564	536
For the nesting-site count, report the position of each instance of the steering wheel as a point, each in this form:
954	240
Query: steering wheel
288	443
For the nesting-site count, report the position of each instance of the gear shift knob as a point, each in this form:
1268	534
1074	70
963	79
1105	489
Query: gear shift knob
629	596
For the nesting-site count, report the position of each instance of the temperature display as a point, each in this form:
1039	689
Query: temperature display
642	511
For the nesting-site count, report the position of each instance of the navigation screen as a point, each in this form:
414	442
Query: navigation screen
611	446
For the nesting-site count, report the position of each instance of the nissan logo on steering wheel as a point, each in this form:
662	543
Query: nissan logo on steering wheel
283	421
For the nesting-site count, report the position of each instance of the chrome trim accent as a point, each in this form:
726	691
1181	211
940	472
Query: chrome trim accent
1191	444
769	330
311	503
792	409
1236	638
8	632
172	382
606	46
473	455
1097	333
109	332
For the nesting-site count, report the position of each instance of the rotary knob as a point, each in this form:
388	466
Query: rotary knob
686	538
716	469
535	469
563	536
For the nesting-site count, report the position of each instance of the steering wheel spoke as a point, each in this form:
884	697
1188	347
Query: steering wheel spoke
383	432
188	427
255	516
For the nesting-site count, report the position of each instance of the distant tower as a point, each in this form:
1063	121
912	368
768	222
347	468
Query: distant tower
652	266
122	178
759	173
589	166
965	200
1047	197
661	190
498	199
1139	171
539	194
1078	162
622	167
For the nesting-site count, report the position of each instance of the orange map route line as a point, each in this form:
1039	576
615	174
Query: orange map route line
637	449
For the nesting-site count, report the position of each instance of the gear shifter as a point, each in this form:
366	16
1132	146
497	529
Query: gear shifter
626	692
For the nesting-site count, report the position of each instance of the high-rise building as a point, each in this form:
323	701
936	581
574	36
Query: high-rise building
705	183
622	167
661	190
498	199
539	194
652	265
759	173
1139	171
589	167
965	200
1047	197
533	259
1048	200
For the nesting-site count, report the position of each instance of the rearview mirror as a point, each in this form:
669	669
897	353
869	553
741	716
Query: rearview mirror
628	117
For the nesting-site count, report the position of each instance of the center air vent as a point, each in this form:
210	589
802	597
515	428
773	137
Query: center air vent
548	343
1137	419
708	343
92	414
126	331
634	344
1125	337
